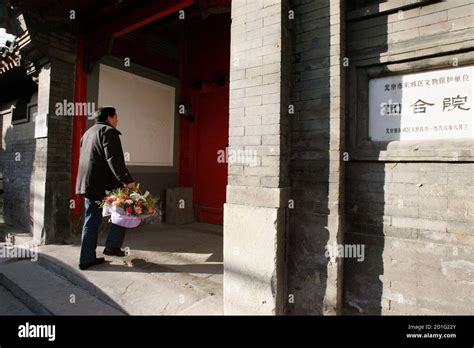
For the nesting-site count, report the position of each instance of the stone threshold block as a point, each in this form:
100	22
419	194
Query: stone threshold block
179	206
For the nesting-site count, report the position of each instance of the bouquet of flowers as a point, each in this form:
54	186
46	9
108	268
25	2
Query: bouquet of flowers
128	207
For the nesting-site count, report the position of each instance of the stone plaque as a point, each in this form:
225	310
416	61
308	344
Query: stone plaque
422	106
41	125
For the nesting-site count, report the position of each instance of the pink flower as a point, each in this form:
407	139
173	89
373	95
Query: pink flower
109	199
138	210
116	203
128	211
151	210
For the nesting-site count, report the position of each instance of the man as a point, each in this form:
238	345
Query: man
101	168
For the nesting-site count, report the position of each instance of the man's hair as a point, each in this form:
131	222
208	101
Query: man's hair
103	113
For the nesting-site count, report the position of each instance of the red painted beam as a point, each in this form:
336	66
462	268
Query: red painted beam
141	17
79	123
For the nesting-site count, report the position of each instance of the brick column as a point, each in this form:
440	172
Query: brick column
51	177
332	303
58	180
38	184
315	281
257	191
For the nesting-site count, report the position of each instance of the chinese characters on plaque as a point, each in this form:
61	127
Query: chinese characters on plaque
430	105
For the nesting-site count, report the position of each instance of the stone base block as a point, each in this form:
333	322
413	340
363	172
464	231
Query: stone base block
254	270
179	206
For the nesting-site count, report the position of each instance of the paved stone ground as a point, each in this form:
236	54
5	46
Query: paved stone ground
10	305
170	270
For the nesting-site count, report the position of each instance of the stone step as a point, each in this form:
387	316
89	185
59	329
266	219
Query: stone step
11	305
138	290
74	277
46	293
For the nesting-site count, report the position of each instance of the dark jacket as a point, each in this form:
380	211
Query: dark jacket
102	164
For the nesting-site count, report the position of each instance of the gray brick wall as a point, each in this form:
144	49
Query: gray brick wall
415	218
417	223
255	103
37	188
17	161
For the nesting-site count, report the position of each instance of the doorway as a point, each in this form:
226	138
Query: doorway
212	130
205	56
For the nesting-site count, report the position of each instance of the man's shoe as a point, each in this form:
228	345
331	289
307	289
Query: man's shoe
114	252
97	261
